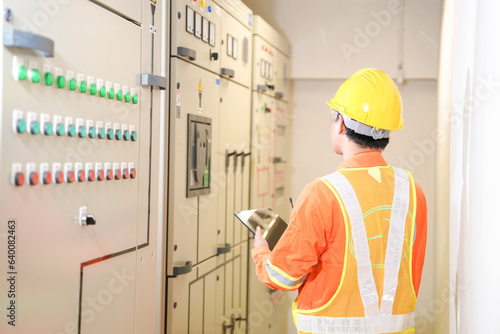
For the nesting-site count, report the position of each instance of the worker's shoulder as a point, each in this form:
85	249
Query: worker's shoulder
318	191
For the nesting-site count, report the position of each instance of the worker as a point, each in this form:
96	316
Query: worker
355	244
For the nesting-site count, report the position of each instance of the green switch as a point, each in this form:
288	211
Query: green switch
206	178
35	76
48	78
48	129
35	127
93	89
21	126
102	91
127	97
60	81
72	84
102	133
118	134
135	99
82	87
92	132
82	131
134	135
126	135
71	130
111	134
111	93
119	95
60	129
22	73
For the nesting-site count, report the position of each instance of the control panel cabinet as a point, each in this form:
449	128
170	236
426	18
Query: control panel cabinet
193	194
75	139
195	32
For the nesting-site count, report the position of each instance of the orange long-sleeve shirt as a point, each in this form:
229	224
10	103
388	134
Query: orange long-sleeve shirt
317	225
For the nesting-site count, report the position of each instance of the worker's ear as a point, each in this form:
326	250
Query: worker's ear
341	128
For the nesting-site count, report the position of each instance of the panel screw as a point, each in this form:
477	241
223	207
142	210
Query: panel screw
179	15
217	277
7	14
175	247
178	85
175	305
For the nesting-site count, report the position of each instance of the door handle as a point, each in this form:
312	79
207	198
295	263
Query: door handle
186	53
27	40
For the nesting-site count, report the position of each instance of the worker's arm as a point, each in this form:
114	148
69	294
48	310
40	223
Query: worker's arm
298	250
420	238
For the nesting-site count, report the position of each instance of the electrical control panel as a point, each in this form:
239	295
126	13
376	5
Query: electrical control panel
199	155
209	173
75	141
270	169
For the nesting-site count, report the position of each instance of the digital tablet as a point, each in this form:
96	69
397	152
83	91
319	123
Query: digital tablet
271	224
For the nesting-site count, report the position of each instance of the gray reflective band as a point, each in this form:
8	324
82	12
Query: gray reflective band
395	239
364	129
382	324
366	281
375	321
286	282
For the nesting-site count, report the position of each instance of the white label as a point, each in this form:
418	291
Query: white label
33	64
46	68
211	31
189	20
80	77
117	87
205	30
109	85
235	48
125	89
100	83
70	75
44	167
178	99
197	25
229	45
58	71
90	80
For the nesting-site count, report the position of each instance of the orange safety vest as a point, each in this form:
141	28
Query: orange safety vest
376	292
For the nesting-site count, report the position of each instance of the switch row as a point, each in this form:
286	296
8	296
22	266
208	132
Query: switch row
71	173
35	125
72	82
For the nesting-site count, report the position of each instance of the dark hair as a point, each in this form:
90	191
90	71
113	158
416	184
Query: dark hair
366	141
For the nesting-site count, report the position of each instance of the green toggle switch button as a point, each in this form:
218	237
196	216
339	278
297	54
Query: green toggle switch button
22	73
48	78
102	91
71	130
82	87
111	134
119	95
134	135
82	131
72	84
93	89
127	97
60	81
21	126
126	135
92	132
35	127
60	129
48	129
102	133
135	99
111	93
35	75
118	134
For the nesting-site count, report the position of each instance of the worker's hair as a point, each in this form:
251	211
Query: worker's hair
366	141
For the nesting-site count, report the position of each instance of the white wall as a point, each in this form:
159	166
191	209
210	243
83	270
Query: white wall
404	43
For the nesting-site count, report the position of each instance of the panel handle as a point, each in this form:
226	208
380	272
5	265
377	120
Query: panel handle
27	40
261	88
154	81
278	95
224	250
182	270
227	72
186	53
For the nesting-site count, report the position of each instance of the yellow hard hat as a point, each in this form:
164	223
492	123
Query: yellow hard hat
370	97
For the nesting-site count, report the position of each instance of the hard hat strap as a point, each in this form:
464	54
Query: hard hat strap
364	129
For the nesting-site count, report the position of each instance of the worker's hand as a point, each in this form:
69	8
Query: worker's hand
259	239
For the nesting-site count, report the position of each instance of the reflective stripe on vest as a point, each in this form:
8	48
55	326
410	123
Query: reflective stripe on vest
283	279
375	321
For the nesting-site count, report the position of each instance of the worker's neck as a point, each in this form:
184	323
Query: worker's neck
351	149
